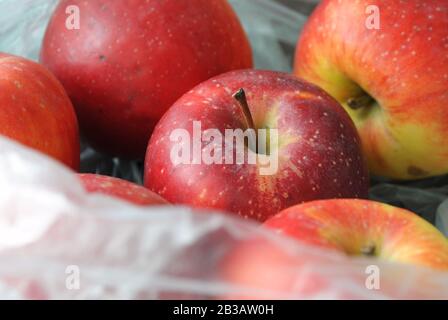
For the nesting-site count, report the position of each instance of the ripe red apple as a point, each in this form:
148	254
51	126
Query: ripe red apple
386	62
36	111
317	156
119	188
131	60
262	268
261	265
362	227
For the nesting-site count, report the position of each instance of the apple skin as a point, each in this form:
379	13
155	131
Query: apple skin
403	66
261	267
36	111
119	188
131	60
319	157
353	226
270	272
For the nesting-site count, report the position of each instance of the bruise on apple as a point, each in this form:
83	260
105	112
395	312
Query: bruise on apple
416	171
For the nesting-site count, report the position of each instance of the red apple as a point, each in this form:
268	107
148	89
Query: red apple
362	227
317	156
386	62
119	188
262	268
131	60
261	265
36	111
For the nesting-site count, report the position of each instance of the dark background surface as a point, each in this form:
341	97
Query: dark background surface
304	6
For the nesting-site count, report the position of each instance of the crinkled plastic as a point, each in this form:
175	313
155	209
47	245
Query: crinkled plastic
58	242
52	231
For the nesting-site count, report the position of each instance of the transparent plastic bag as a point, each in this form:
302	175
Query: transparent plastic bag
57	242
49	225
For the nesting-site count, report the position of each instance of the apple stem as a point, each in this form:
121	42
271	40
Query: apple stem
360	102
240	96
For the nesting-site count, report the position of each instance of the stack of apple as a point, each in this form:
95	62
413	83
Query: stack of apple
170	78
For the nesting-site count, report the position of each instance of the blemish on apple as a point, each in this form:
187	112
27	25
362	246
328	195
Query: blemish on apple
416	171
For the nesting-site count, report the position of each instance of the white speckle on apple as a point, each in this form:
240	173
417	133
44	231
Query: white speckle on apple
18	84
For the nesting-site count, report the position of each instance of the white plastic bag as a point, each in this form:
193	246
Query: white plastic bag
57	242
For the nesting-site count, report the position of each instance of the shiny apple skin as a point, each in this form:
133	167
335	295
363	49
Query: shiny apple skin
403	65
352	226
119	188
36	111
319	157
131	60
